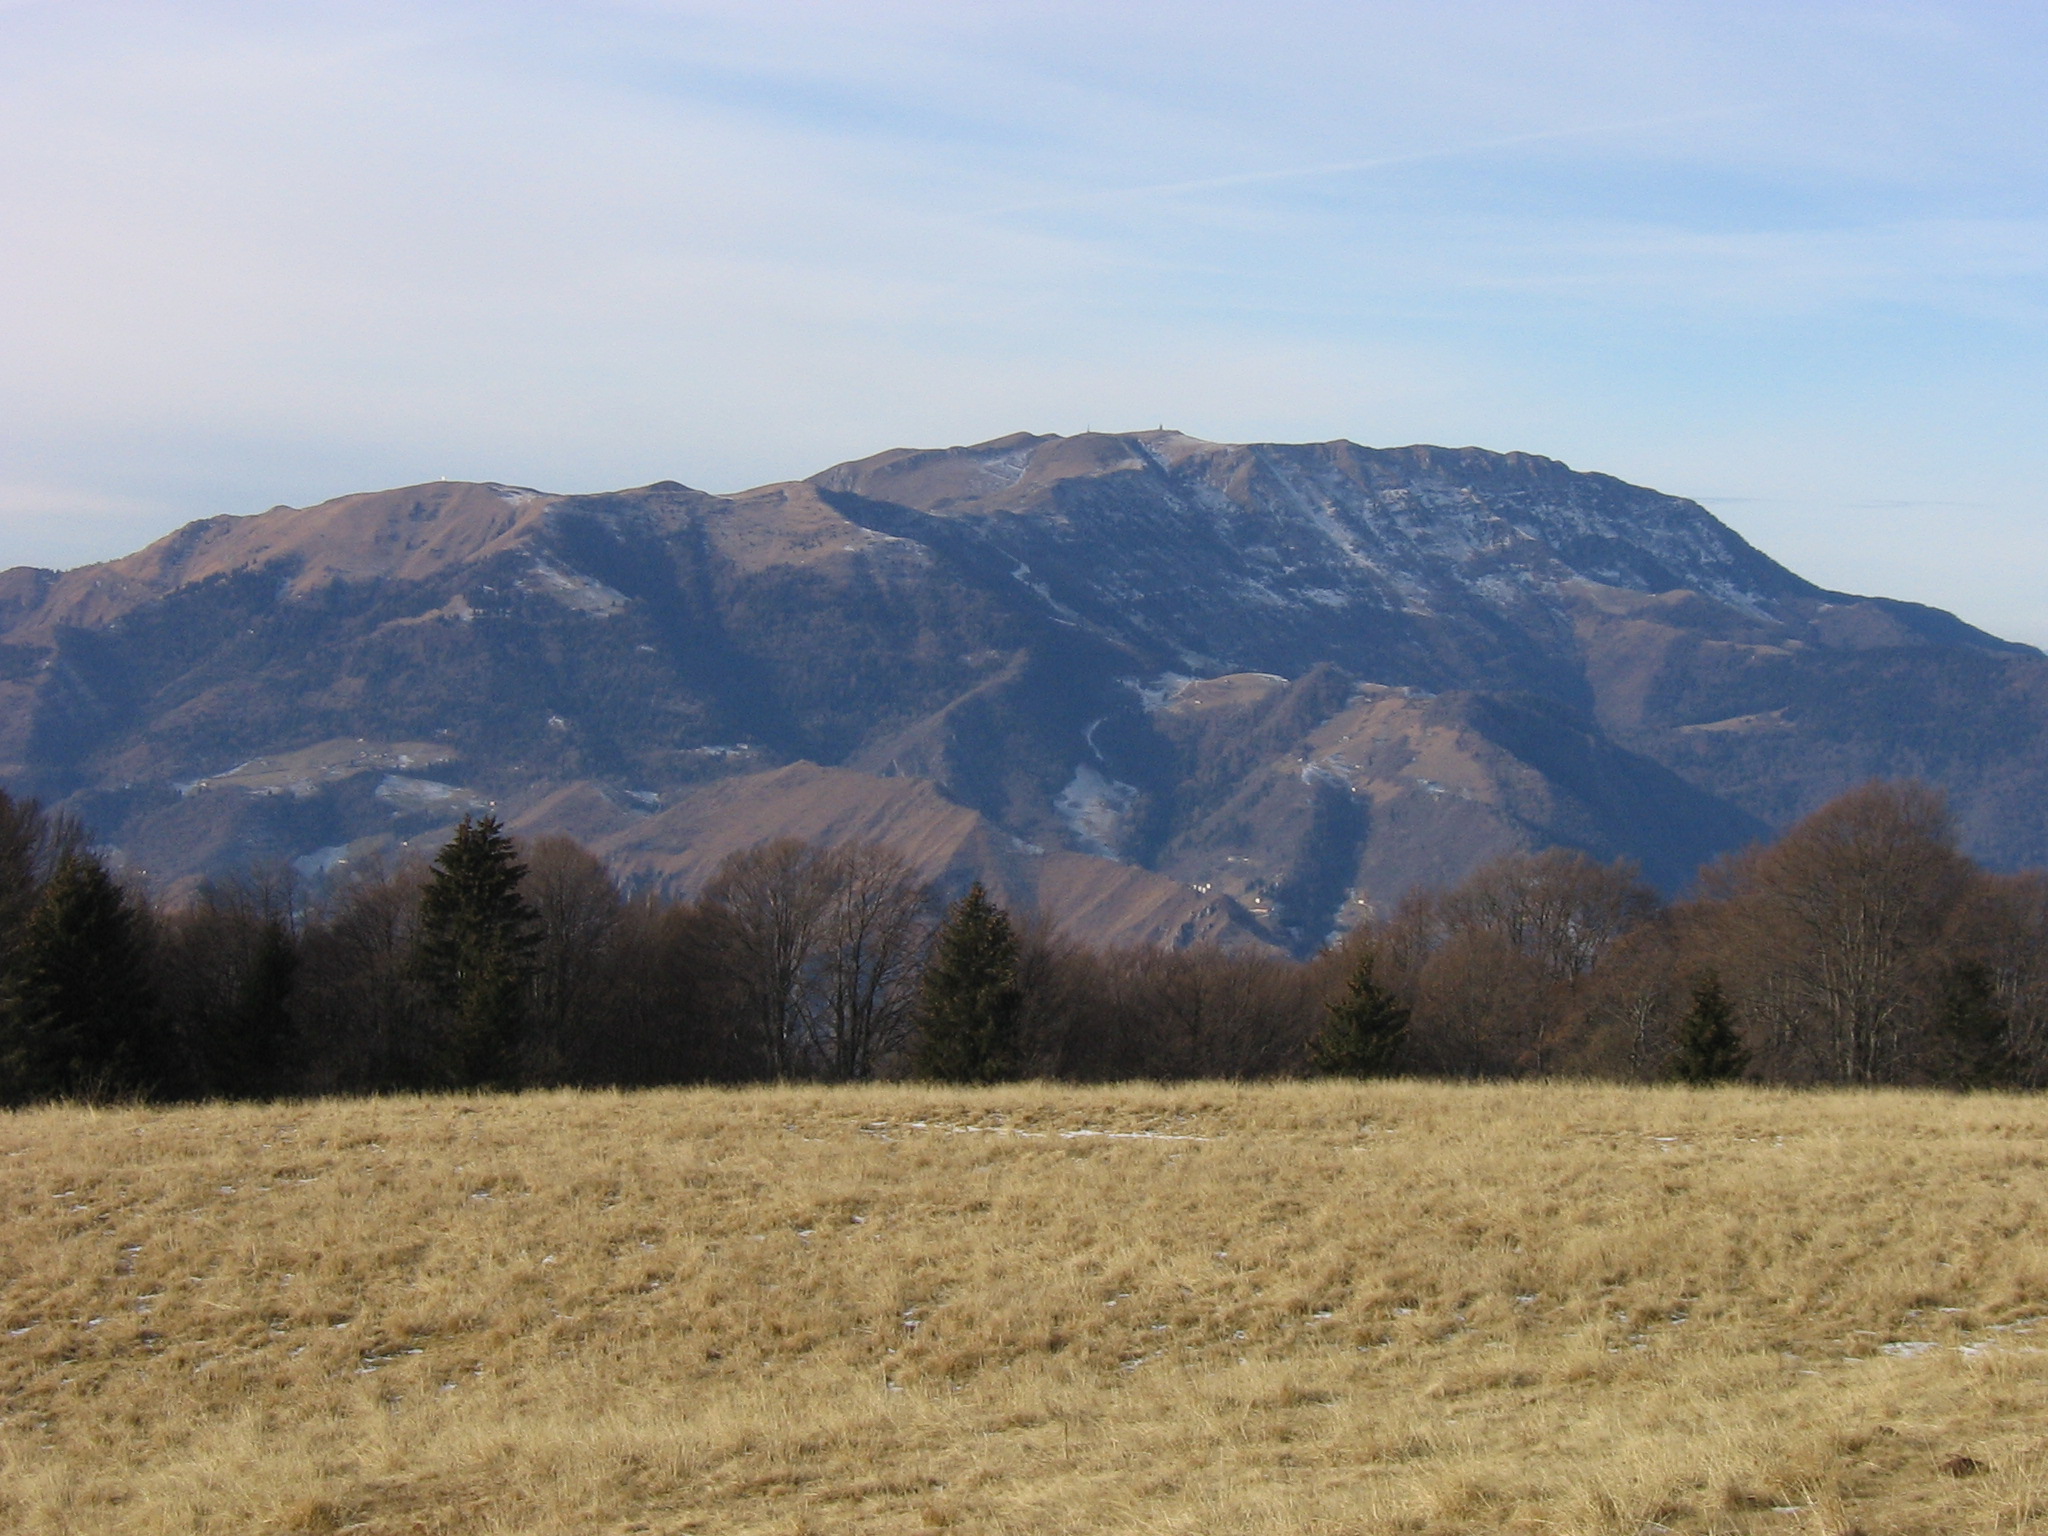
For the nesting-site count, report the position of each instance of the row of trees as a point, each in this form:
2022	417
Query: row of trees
1860	948
489	969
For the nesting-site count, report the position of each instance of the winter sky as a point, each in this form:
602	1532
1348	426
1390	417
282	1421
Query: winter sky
1788	258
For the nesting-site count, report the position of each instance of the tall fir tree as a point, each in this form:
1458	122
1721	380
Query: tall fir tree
473	953
1709	1050
76	1015
1363	1031
971	1006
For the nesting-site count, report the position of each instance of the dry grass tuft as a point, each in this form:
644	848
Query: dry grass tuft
1401	1308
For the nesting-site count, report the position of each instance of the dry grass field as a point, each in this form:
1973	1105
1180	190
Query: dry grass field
1295	1308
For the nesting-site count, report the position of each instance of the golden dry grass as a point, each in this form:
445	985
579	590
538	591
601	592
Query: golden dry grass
1384	1308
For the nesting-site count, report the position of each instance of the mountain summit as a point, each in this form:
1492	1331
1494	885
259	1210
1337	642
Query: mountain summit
1167	689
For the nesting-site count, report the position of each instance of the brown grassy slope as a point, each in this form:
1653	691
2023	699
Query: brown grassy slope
1405	1307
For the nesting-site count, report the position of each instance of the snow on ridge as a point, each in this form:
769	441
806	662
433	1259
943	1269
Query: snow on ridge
1438	525
515	495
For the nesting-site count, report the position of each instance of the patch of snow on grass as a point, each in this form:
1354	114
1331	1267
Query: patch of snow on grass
881	1128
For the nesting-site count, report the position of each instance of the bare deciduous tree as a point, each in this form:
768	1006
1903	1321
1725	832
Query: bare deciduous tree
579	906
875	935
824	946
360	1009
227	967
774	899
674	1013
2002	927
1832	939
32	841
1479	1006
1499	968
1631	1007
1559	907
1205	1012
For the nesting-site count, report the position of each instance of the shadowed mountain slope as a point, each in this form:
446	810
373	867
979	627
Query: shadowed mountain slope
1169	689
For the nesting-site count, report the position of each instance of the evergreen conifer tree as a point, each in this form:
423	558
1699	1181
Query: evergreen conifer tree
971	1005
473	953
75	1011
1709	1048
1364	1030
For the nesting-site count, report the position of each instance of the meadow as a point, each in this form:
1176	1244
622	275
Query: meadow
1385	1307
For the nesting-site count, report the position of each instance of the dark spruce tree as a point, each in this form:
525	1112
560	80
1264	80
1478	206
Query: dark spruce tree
970	1004
1709	1048
76	1014
473	955
1363	1031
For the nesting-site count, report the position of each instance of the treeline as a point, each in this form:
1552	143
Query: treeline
1860	948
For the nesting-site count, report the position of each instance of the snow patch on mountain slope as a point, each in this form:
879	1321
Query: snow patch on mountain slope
1023	577
1006	469
1094	808
1399	532
321	861
409	794
1160	691
574	590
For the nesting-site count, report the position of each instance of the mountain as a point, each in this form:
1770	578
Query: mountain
1167	689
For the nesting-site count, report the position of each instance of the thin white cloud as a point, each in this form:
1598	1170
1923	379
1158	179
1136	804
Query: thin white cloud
1351	167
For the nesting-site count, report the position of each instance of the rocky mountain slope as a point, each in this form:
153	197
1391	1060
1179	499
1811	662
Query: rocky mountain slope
1167	689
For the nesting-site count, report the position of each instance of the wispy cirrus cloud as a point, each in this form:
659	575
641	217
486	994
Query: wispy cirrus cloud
1264	178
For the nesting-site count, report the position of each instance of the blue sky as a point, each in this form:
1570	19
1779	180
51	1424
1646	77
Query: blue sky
1789	259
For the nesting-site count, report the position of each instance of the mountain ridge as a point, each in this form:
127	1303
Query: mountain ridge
1290	680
